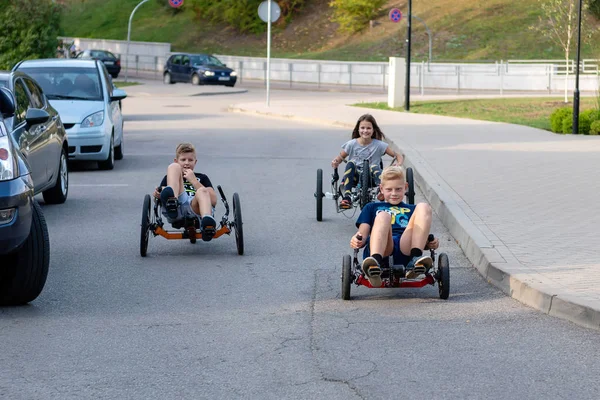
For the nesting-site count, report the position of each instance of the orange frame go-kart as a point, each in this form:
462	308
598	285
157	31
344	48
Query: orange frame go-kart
189	228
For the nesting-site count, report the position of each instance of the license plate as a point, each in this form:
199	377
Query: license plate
223	78
109	62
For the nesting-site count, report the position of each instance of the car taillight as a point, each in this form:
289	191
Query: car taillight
118	62
8	165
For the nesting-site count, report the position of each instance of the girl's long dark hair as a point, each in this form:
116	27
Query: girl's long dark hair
377	133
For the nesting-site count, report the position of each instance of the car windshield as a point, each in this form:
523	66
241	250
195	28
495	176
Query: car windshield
206	60
67	83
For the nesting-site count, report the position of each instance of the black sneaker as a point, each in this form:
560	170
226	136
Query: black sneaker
169	202
209	228
372	271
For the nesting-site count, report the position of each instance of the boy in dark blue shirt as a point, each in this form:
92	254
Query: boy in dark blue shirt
392	227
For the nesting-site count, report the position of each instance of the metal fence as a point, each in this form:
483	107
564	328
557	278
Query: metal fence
500	76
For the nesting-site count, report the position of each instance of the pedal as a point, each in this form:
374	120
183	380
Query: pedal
398	272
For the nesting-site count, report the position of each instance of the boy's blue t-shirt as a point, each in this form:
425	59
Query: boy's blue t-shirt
400	215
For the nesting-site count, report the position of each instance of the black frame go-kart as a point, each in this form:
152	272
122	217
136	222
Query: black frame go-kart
394	276
362	194
189	228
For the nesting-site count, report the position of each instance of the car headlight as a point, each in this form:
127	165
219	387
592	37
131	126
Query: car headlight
209	73
233	73
96	119
8	162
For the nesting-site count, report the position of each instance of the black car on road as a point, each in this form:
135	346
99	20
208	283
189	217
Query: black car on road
24	242
199	69
110	61
42	143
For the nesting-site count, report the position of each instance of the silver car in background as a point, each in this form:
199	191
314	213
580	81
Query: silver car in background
83	94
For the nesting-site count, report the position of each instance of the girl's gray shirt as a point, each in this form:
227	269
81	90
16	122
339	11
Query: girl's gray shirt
372	152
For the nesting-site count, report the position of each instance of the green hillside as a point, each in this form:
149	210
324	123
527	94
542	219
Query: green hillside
462	30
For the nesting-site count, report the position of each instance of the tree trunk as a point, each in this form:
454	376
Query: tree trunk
567	78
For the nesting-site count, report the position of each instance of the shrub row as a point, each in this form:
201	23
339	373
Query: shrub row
561	121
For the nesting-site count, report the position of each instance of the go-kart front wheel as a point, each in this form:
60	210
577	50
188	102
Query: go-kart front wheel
145	226
319	195
346	277
410	179
443	276
237	224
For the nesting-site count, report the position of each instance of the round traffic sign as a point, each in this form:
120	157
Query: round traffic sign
176	3
395	15
263	11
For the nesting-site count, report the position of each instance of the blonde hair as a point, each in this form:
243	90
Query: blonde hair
392	173
184	148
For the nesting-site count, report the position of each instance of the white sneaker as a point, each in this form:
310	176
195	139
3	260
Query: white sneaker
372	271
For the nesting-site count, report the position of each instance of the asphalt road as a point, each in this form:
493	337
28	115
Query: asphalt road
201	322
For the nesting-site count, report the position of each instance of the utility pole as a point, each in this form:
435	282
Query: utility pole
129	38
576	95
407	88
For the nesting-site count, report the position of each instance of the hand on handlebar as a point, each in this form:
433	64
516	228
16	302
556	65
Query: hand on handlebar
357	241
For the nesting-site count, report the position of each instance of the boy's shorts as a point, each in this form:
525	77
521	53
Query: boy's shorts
398	257
185	209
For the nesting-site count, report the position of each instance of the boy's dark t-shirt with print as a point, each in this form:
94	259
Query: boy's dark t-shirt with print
188	187
400	215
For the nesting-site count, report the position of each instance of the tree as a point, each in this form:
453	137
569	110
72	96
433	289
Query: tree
558	23
29	29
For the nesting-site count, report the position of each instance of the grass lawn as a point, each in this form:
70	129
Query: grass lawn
529	111
125	84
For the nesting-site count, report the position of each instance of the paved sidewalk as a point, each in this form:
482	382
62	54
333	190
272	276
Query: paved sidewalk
521	202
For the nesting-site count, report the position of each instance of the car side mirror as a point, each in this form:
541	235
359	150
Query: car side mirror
224	65
7	103
36	116
118	94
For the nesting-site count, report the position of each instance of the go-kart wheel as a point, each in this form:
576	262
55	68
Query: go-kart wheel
319	195
365	184
443	276
411	185
346	277
145	226
238	224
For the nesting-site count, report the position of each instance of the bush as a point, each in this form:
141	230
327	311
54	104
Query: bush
585	120
557	117
595	128
241	14
594	7
354	15
29	30
567	123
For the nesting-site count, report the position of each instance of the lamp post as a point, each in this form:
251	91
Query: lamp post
576	94
129	38
407	88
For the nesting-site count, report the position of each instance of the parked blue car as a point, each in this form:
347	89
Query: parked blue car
24	242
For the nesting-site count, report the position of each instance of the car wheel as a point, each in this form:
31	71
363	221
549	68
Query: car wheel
58	193
109	163
25	272
196	80
119	150
115	76
167	79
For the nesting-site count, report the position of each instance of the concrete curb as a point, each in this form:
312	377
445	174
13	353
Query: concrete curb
495	263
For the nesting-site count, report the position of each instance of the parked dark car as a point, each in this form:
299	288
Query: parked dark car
24	243
110	61
199	69
43	143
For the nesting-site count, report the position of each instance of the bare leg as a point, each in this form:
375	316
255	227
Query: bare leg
419	225
381	235
175	178
202	203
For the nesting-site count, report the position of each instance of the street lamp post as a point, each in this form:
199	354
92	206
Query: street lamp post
129	38
576	94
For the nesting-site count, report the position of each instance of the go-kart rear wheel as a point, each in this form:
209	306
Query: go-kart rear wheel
319	195
346	276
145	226
365	184
443	276
410	179
238	224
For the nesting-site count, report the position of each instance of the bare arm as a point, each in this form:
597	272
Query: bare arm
398	156
338	160
363	230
